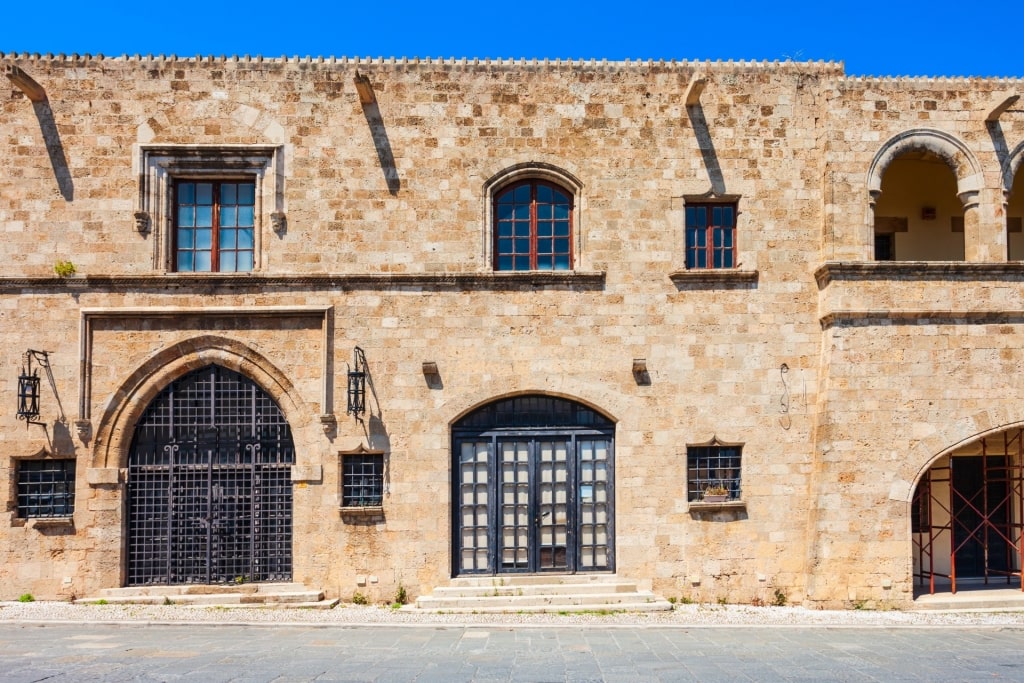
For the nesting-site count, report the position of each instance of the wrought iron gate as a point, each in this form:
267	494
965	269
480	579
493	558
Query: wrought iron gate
533	486
209	484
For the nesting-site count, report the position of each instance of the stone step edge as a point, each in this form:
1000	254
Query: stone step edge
535	589
208	589
513	601
600	608
506	580
210	599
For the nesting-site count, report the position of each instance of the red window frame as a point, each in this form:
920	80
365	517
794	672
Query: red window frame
533	227
229	233
711	235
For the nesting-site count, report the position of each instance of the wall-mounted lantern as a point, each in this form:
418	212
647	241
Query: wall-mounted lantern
357	384
28	385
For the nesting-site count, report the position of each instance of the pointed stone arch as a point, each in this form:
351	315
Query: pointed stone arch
128	402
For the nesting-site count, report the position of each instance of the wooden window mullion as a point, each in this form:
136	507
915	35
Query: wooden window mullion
533	226
215	231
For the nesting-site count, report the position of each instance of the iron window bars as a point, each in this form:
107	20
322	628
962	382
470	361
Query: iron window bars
46	488
362	480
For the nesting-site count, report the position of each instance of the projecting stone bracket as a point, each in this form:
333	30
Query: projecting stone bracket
25	83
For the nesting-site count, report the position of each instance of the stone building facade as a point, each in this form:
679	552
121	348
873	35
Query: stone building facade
581	296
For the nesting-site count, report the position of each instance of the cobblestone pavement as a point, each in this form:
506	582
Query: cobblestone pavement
429	653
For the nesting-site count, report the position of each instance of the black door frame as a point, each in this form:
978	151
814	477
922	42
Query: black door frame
492	436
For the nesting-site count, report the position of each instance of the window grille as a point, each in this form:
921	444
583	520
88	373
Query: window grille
46	488
713	470
362	480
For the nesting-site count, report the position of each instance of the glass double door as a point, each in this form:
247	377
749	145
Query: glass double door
534	503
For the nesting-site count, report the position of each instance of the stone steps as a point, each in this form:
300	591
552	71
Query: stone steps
266	595
540	593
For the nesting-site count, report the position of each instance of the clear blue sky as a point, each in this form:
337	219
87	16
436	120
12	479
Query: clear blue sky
894	37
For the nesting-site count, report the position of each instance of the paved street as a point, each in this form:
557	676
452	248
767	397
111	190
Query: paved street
79	652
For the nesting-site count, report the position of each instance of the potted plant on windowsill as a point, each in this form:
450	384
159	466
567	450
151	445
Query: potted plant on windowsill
715	493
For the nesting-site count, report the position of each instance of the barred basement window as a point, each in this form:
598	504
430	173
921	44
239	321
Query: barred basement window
46	488
713	470
362	480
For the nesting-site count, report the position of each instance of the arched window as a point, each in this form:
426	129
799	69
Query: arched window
533	227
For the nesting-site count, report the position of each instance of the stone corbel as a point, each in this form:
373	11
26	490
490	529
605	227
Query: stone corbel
695	89
329	423
278	223
1000	104
33	91
84	430
142	222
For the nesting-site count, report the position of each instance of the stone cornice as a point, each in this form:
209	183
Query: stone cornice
867	318
837	271
204	283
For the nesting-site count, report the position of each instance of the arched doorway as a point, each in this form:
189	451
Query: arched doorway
966	515
209	484
533	488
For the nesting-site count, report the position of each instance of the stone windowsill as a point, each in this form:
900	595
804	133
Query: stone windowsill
49	522
702	506
367	511
720	277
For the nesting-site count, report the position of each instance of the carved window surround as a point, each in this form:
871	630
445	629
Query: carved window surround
159	165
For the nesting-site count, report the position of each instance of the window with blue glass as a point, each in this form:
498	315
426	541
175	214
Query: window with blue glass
533	227
711	235
214	225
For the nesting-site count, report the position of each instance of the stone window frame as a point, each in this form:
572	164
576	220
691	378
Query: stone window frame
70	482
539	172
161	165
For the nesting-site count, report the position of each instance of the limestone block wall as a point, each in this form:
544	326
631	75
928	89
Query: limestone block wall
385	244
872	121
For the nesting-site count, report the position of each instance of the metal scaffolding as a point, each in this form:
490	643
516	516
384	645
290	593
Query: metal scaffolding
973	507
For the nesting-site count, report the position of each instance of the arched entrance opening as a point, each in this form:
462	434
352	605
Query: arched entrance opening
533	488
209	484
918	216
966	516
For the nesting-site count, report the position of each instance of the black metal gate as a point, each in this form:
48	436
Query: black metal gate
209	484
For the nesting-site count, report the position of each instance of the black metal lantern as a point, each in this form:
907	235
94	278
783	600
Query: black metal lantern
28	386
357	384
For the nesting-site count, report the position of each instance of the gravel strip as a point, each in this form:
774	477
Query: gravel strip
354	615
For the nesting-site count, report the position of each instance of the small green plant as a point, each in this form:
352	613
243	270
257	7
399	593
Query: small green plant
401	596
722	601
100	602
360	599
26	597
860	604
168	601
686	600
396	605
780	598
673	599
64	268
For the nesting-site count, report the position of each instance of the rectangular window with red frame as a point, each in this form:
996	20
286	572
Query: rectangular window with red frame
711	235
214	224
